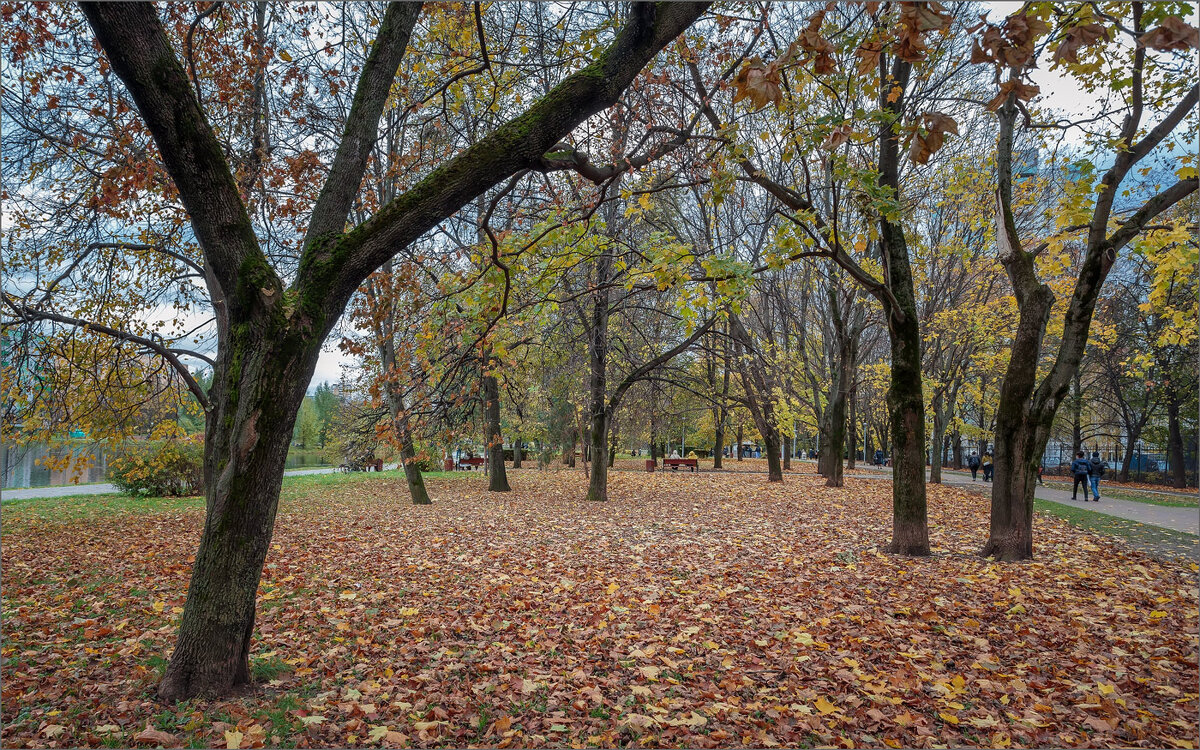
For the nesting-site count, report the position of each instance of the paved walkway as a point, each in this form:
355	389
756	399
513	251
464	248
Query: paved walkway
1164	516
72	490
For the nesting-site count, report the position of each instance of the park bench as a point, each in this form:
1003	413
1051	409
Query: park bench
675	463
467	464
362	464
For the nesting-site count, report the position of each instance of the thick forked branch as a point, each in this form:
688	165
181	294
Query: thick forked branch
661	359
362	124
1137	223
24	312
136	44
518	144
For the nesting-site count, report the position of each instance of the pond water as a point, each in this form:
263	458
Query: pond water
306	460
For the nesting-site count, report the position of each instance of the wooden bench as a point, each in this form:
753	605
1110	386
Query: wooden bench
675	463
467	464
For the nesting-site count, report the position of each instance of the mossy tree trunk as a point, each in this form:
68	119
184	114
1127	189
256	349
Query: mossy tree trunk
906	402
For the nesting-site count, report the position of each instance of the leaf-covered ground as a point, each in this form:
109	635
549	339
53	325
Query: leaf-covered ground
704	610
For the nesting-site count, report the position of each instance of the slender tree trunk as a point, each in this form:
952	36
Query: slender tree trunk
412	473
1077	415
518	450
718	443
613	441
739	442
957	449
835	439
386	344
1126	461
497	474
939	435
852	432
757	385
598	380
1175	440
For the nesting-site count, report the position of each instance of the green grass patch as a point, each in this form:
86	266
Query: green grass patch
1152	539
77	507
1118	492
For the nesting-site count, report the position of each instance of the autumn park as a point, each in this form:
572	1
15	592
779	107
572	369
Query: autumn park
597	374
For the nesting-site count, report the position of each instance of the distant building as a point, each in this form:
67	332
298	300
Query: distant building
1025	163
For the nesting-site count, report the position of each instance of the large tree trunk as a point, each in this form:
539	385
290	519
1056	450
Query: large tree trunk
906	402
774	465
258	383
906	406
497	474
1021	427
835	442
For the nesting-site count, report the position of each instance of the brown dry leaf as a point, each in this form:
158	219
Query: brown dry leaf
1024	92
761	570
838	136
1172	34
150	736
759	83
1077	37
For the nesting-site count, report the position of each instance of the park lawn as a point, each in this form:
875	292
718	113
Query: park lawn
1119	492
701	610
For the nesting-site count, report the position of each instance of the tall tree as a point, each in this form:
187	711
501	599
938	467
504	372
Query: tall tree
1029	399
270	326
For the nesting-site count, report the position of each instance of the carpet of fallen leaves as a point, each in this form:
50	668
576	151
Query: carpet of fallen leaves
704	610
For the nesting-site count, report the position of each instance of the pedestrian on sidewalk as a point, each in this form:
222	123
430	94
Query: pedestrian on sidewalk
1096	468
973	465
988	467
1079	469
1041	468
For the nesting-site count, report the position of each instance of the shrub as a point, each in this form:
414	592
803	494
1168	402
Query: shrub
427	462
161	468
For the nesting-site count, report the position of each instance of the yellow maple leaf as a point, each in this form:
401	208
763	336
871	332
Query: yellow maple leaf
824	706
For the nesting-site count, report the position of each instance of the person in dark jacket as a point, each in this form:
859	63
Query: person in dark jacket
973	465
988	467
1080	468
1096	469
879	457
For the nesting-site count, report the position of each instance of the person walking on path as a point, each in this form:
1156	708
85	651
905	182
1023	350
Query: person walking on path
1041	468
973	465
1096	469
1080	468
988	467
